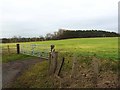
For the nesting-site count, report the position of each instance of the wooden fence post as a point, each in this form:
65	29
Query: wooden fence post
61	66
74	67
55	61
8	49
53	56
18	48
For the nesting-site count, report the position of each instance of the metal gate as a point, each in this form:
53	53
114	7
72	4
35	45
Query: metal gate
38	50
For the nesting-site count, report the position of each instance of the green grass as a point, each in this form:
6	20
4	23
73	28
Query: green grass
106	48
14	57
35	77
12	54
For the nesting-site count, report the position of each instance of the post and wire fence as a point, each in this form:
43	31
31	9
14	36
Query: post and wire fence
58	63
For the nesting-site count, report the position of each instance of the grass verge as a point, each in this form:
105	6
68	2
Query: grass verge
13	57
37	76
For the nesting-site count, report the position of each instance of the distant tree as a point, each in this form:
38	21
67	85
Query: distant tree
41	38
5	40
65	34
49	36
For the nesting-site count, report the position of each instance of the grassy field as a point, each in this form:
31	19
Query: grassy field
106	48
84	49
11	54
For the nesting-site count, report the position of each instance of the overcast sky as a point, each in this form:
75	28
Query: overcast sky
29	18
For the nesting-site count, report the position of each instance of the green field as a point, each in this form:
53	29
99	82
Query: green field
84	50
106	48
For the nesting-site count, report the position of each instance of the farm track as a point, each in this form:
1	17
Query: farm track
12	70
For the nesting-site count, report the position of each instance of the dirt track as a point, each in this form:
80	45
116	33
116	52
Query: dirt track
11	70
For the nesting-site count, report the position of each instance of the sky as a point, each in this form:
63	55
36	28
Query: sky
33	18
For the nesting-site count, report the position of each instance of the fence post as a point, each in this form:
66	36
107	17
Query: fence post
74	66
55	61
61	66
18	48
53	56
8	49
52	47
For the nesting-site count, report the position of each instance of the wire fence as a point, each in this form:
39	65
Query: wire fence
8	49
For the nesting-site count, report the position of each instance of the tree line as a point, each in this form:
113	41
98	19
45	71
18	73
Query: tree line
63	34
22	39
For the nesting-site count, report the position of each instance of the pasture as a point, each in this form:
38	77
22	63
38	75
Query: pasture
83	51
106	48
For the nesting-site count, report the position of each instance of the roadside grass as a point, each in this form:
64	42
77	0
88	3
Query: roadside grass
34	77
37	76
14	57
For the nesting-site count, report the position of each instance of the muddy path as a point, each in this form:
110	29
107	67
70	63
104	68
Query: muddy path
12	70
